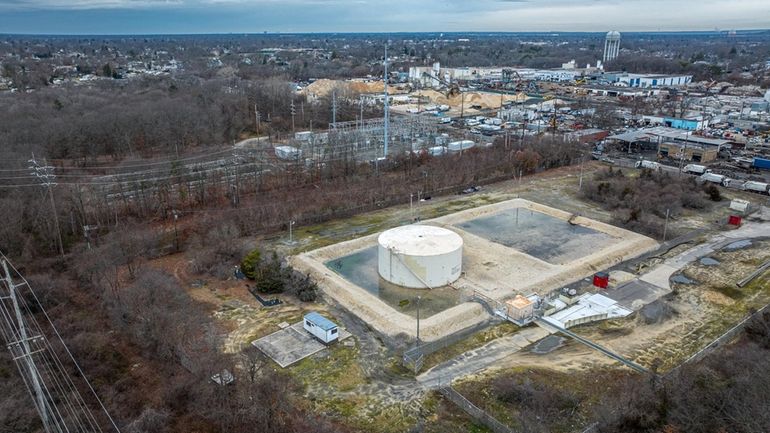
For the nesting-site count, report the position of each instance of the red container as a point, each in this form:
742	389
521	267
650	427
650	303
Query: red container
734	220
601	280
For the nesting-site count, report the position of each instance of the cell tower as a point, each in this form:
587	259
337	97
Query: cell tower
56	399
611	46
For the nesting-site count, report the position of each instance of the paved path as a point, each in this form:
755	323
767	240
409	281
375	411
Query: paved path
481	358
634	294
659	276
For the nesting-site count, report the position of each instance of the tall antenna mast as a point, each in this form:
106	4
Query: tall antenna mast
387	102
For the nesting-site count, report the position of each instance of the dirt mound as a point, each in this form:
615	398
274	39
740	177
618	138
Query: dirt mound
484	99
324	87
656	312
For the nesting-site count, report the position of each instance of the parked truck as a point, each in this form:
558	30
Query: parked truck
696	169
652	165
715	178
758	187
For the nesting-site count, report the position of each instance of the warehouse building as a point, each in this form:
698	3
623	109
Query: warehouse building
690	152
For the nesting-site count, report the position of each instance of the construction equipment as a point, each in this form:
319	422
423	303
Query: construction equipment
452	88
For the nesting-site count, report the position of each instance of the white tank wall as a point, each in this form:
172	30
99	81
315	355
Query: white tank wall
420	256
421	272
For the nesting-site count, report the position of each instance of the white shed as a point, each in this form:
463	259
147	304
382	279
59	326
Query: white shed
321	327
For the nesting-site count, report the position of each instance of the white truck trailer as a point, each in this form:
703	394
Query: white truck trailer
758	187
696	169
652	165
715	178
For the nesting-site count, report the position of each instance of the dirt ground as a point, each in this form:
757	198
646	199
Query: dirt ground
681	324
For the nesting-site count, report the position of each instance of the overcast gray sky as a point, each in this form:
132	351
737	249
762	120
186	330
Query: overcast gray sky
251	16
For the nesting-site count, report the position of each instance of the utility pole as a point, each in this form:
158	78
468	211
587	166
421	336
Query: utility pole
256	116
87	233
55	396
291	224
361	103
665	226
580	182
46	177
41	402
176	233
418	321
387	101
293	112
682	152
334	109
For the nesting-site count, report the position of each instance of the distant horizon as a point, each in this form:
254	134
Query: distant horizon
739	32
188	17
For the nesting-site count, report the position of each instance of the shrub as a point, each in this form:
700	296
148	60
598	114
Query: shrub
713	192
251	263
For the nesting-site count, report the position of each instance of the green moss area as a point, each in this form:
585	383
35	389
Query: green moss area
335	369
555	401
364	413
711	306
441	416
331	232
472	342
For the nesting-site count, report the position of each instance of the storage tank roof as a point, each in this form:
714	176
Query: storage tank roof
420	240
613	34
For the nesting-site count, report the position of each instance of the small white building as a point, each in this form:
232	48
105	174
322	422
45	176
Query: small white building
520	308
739	205
321	327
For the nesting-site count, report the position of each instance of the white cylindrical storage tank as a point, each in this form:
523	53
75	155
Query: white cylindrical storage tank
420	256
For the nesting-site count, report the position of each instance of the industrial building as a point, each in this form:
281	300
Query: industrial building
520	308
646	81
689	152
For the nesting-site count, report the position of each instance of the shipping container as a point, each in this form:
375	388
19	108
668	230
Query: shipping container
761	163
601	280
437	150
289	153
303	135
458	146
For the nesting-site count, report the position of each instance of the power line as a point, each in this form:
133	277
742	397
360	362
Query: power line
61	407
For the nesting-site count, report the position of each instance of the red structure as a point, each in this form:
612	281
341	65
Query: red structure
734	220
601	280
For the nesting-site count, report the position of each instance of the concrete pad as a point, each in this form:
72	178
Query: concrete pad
292	344
636	294
660	275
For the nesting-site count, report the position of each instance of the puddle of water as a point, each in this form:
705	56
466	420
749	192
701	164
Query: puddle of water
708	261
537	234
548	344
681	279
360	268
737	245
